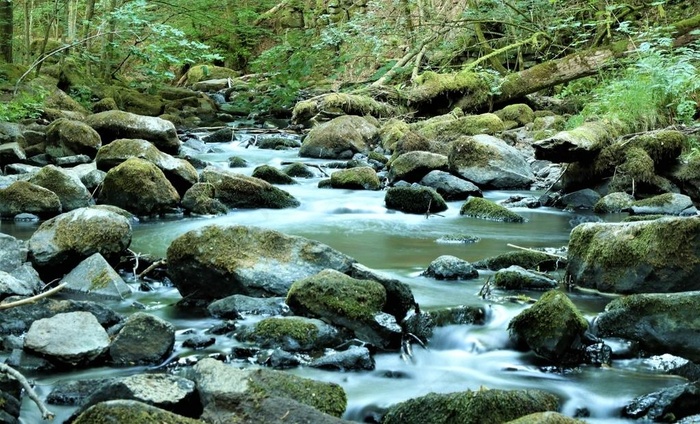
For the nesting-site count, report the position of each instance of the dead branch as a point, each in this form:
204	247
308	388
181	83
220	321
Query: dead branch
536	251
45	413
151	267
33	298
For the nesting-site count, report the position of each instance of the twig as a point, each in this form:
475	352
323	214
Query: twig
536	251
33	298
45	413
136	260
558	178
151	267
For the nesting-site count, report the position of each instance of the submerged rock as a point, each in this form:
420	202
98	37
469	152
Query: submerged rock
447	267
272	175
528	259
414	199
669	404
355	358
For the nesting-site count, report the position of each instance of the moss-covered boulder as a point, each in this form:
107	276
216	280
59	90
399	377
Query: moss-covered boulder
478	207
214	262
240	191
278	143
205	72
25	197
201	199
359	178
471	407
391	132
143	339
549	417
132	101
130	411
249	395
519	113
414	199
70	190
664	204
528	259
447	128
65	137
489	163
291	334
347	302
114	124
613	203
412	166
659	256
582	143
687	177
299	170
340	138
658	323
519	278
319	108
435	92
552	328
272	175
138	186
448	267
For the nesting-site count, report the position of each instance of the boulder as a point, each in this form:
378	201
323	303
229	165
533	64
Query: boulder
613	203
657	256
399	298
214	262
414	199
319	108
447	267
518	113
278	143
478	207
414	165
540	261
13	252
299	170
581	199
65	137
446	128
11	153
70	190
64	241
237	305
95	278
25	197
13	286
130	411
518	278
678	402
360	178
657	323
293	334
74	338
240	191
664	204
115	124
355	358
144	339
552	327
272	175
139	186
450	187
136	102
549	417
222	135
339	138
347	302
422	323
201	199
489	162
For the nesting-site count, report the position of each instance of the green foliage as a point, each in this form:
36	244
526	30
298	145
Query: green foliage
24	105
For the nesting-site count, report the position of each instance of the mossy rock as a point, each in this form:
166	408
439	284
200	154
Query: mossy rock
25	197
360	178
10	73
438	91
105	104
663	146
549	417
391	132
520	113
200	199
614	203
70	190
143	339
205	72
130	411
278	143
130	100
527	259
415	199
412	166
549	123
298	170
241	191
66	137
687	177
237	162
518	278
116	124
272	175
451	129
339	138
291	334
667	204
485	406
311	111
411	141
478	207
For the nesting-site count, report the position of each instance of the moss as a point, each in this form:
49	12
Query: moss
637	218
87	236
132	412
237	162
412	166
240	191
548	417
660	200
448	130
466	151
199	199
391	132
341	103
23	196
100	281
638	165
431	85
276	330
299	170
663	146
418	200
520	113
478	207
272	175
549	122
613	203
527	259
362	178
200	73
376	156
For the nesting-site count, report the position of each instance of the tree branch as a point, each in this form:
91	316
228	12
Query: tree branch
45	413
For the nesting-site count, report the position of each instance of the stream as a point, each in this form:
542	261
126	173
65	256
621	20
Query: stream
356	223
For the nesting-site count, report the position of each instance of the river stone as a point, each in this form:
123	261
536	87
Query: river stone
227	389
73	392
272	175
399	298
519	278
414	199
235	306
25	197
72	338
200	199
657	256
359	178
299	170
412	166
130	411
13	252
489	162
478	207
240	191
678	401
347	302
658	323
355	358
449	186
115	124
483	406
581	199
11	153
95	278
144	339
214	261
528	259
293	334
551	328
664	204
70	190
339	138
548	417
65	137
64	241
12	286
614	202
447	267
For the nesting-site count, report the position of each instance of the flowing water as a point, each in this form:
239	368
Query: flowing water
356	223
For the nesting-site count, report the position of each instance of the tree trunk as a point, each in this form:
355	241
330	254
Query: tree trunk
6	30
28	22
107	47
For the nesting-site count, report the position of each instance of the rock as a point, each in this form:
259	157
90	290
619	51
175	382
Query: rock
249	392
11	153
414	165
446	128
181	174
299	170
657	256
130	411
200	199
664	204
414	199
115	124
552	328
348	302
95	278
240	191
12	286
25	197
489	162
399	298
73	392
293	334
527	259
339	138
74	338
447	267
421	324
134	102
355	358
483	406
199	73
272	175
318	108
669	404
687	176
519	113
549	417
235	306
237	162
198	342
65	137
658	323
214	262
613	203
144	339
581	199
449	186
222	135
360	178
281	360
138	186
62	242
71	192
13	253
478	207
518	278
278	143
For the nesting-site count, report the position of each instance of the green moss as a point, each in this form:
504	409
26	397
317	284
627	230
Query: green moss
240	191
100	281
362	178
660	200
199	73
638	165
466	151
342	103
637	218
527	259
391	132
450	129
664	146
418	200
276	330
23	196
478	207
272	175
132	412
377	157
430	85
520	113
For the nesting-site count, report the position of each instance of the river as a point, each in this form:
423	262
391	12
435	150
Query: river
400	245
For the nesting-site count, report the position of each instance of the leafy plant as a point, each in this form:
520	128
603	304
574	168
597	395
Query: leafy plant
24	105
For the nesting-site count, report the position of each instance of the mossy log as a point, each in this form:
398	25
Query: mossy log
330	105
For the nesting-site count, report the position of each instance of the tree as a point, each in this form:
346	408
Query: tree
6	30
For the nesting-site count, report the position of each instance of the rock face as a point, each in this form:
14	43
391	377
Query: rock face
25	197
71	338
69	138
412	166
658	323
114	124
140	187
214	262
489	162
240	191
95	278
70	190
144	339
339	138
657	256
62	242
414	199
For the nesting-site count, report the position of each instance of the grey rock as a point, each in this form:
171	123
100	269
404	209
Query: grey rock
450	187
240	191
355	358
95	278
339	138
144	339
70	190
414	199
447	267
234	306
115	124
